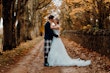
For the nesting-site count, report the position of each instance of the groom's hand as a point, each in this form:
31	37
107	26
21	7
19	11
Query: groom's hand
56	36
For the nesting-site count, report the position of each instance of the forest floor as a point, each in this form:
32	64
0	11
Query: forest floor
32	62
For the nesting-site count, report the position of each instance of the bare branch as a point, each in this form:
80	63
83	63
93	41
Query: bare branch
40	7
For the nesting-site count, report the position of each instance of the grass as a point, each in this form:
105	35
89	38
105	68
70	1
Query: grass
13	56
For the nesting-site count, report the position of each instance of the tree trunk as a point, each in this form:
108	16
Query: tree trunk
22	30
0	8
100	23
13	25
18	33
7	25
101	16
21	34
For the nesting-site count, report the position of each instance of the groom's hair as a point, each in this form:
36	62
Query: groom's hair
50	17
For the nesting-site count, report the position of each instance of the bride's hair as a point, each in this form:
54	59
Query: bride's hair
57	20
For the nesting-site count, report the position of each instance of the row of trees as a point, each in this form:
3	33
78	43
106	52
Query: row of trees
77	13
20	20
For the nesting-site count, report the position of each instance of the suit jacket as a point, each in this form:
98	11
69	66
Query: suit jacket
49	32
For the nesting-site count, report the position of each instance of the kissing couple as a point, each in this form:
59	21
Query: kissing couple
55	53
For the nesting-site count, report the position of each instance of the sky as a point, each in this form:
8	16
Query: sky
57	2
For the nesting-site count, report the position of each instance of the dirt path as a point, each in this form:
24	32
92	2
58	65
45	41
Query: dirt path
29	63
33	63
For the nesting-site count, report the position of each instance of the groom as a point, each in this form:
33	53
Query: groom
48	38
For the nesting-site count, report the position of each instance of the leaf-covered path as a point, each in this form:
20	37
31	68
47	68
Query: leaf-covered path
33	61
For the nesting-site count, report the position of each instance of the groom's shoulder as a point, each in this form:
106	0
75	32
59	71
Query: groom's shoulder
47	23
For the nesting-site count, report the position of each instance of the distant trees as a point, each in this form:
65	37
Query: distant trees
23	19
86	12
102	9
65	16
19	21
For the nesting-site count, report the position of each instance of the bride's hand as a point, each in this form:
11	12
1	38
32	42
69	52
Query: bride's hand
53	26
59	36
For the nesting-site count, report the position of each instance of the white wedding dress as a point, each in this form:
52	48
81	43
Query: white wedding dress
58	55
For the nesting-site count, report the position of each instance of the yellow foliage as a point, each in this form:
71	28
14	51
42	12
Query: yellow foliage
42	29
87	27
84	27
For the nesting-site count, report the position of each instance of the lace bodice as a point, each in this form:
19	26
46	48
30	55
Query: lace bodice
56	31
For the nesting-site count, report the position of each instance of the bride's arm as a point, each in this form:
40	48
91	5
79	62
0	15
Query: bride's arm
53	26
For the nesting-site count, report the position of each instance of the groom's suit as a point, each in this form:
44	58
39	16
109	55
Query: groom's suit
48	40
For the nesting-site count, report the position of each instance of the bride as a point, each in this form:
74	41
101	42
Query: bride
58	55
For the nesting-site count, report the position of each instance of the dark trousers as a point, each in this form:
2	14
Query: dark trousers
47	45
